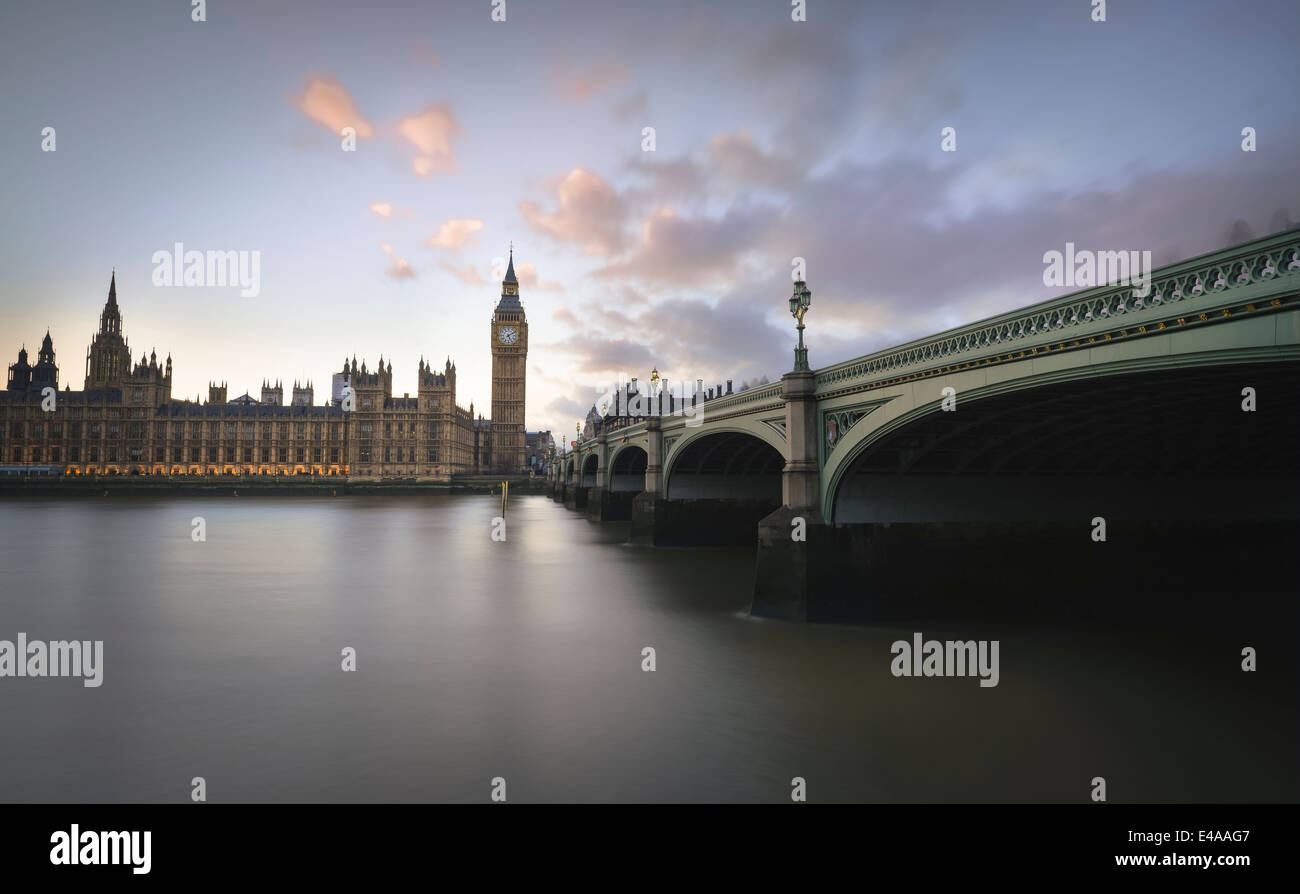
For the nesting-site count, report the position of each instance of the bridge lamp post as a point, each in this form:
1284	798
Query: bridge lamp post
800	300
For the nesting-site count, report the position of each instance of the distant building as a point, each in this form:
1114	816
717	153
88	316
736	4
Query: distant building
125	420
537	445
338	387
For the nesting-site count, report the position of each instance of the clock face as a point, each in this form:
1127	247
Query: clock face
508	335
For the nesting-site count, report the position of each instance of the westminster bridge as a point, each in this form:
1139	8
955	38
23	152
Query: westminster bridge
1092	437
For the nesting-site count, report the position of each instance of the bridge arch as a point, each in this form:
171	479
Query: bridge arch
1155	440
724	463
590	466
568	471
627	468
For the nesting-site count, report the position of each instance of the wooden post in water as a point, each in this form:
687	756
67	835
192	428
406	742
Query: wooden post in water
505	497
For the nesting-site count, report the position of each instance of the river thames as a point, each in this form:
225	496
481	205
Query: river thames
523	659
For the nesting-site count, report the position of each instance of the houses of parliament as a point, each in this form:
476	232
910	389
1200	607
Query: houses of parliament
125	421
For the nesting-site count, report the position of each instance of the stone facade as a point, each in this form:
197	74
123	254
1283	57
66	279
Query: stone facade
125	421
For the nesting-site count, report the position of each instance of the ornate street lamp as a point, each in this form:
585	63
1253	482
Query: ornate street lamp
800	299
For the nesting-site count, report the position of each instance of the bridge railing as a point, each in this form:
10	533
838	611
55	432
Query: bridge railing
740	399
1198	285
736	401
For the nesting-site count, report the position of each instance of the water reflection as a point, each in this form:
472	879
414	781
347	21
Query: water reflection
522	659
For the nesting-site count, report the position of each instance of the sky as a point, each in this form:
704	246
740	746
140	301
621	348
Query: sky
773	140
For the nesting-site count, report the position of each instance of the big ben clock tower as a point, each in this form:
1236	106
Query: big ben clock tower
509	358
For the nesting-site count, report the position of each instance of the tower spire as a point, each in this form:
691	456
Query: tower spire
110	321
510	269
510	287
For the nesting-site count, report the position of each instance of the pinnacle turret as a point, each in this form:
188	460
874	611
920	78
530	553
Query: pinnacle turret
510	270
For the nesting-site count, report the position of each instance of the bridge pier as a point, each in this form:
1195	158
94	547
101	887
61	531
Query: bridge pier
596	493
645	505
798	567
575	497
657	521
609	505
557	481
795	545
611	498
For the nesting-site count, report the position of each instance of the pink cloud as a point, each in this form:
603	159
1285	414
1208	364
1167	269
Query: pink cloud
398	268
699	251
466	274
588	212
455	232
528	278
389	210
431	132
328	103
